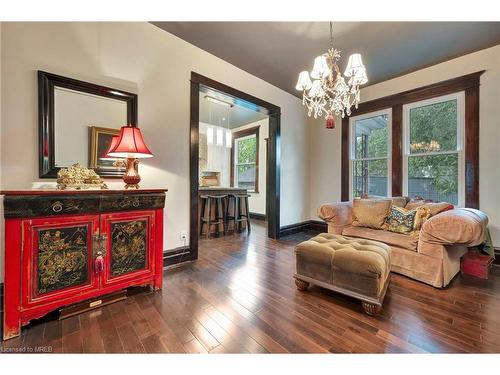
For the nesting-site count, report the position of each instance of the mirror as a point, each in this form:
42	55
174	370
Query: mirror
77	121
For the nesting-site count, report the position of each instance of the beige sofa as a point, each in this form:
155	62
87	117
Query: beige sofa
433	255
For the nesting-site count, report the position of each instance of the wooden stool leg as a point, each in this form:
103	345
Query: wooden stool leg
218	213
226	217
371	308
223	216
247	212
301	285
209	221
236	214
202	215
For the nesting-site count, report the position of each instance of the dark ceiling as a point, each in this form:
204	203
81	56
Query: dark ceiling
278	51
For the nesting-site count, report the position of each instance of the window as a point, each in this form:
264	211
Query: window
433	165
370	151
245	159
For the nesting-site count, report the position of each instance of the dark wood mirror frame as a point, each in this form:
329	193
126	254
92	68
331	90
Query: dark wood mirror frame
46	127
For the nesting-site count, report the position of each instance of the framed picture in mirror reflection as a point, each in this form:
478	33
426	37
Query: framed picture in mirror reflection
100	140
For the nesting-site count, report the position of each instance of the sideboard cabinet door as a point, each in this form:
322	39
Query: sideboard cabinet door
129	251
58	259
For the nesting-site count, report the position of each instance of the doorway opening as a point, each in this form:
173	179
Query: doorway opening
234	144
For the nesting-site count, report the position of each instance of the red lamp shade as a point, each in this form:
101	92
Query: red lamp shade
130	144
114	142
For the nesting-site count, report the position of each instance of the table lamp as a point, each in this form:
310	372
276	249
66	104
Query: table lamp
129	144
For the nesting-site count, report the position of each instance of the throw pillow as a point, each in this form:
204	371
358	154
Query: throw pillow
401	220
396	201
370	213
399	201
434	208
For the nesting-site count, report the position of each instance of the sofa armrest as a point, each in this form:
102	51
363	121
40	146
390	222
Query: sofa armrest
338	215
460	226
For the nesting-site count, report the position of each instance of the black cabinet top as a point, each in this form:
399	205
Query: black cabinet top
41	203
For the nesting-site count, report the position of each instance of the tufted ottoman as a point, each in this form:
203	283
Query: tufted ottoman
352	266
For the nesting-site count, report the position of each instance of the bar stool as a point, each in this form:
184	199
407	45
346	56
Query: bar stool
219	201
241	211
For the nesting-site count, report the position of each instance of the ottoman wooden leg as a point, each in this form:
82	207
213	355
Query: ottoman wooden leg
371	308
301	285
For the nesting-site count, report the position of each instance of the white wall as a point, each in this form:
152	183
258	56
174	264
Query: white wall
141	58
325	145
257	201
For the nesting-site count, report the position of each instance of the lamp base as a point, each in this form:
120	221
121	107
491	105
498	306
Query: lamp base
131	176
131	186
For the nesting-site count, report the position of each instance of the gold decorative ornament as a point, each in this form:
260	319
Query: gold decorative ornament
79	178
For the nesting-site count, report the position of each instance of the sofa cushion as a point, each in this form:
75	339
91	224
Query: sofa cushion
396	201
370	213
433	207
399	201
404	241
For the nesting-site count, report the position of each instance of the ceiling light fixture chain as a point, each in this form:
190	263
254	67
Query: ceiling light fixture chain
329	94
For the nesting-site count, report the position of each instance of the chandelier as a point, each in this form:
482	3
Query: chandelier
329	93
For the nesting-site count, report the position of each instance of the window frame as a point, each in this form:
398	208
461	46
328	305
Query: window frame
460	98
352	158
244	134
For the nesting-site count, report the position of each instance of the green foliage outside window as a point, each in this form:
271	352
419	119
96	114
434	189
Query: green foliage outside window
247	150
246	159
436	122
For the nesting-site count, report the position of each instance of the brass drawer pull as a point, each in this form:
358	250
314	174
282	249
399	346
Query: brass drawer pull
57	206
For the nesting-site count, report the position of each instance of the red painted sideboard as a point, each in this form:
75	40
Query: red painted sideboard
64	247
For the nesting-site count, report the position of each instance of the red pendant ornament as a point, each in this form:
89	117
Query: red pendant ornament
330	122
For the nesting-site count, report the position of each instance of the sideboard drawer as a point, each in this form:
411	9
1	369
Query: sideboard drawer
36	206
116	203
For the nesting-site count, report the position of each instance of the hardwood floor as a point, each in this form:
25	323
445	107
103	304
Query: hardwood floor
240	297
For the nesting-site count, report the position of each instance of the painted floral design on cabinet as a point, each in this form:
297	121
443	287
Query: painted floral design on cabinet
62	258
128	246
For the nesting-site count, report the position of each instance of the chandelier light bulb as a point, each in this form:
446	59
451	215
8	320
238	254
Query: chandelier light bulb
359	78
304	82
228	139
316	89
320	68
354	65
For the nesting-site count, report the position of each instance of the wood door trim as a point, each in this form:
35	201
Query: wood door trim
273	180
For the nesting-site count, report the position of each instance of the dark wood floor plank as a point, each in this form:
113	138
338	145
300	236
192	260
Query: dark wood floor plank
154	344
108	332
129	339
195	347
91	332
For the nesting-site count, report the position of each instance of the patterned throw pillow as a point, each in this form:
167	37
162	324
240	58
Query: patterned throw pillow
405	221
